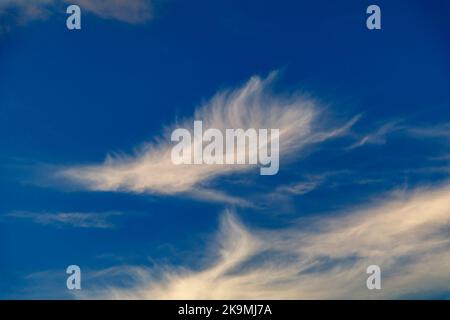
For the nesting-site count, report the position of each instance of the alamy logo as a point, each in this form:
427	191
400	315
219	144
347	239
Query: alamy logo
374	280
373	22
73	22
74	280
235	146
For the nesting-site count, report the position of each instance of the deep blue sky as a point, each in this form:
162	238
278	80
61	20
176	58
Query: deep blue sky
71	97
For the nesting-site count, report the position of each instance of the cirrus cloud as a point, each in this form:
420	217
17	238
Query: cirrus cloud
406	234
254	105
100	220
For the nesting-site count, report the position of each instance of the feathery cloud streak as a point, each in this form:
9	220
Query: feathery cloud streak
73	219
407	235
253	105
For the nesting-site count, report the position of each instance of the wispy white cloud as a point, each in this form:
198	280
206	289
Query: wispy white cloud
130	11
72	219
439	131
302	187
406	234
254	105
21	12
378	136
436	131
213	195
445	157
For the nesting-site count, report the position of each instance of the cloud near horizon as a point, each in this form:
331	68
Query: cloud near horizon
406	234
253	105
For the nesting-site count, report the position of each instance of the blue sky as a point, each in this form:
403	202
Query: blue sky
70	98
